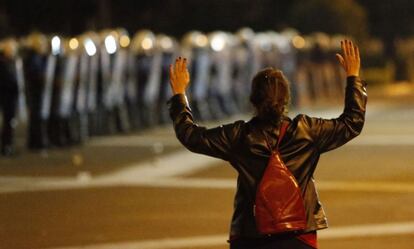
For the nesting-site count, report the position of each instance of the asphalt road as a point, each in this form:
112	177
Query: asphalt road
143	191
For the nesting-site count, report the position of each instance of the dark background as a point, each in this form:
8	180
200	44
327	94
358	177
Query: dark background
384	19
175	17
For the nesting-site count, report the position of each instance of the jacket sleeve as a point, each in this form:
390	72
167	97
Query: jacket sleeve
328	134
216	142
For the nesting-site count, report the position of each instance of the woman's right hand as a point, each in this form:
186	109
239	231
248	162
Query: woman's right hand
350	60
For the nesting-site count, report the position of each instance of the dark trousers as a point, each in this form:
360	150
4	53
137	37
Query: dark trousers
279	242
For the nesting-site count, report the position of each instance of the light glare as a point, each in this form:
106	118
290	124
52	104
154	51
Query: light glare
110	44
124	41
298	42
90	47
201	40
55	45
147	43
217	44
73	43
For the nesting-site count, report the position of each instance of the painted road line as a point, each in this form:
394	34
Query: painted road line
27	184
356	186
369	230
362	140
383	140
346	232
174	164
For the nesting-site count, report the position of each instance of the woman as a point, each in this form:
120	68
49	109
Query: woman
248	145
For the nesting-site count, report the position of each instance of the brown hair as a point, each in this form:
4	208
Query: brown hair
270	94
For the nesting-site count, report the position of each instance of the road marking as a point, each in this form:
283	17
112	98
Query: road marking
383	140
135	141
29	184
369	230
366	186
164	167
165	170
345	232
362	140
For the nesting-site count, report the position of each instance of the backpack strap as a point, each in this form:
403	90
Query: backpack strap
282	132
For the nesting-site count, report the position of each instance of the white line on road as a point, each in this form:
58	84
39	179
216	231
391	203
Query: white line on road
164	170
363	140
30	185
167	166
213	183
383	140
346	232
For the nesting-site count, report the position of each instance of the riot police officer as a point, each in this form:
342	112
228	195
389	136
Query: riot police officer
54	128
143	47
8	94
196	48
35	70
167	47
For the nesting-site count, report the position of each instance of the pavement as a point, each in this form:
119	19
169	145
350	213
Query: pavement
144	191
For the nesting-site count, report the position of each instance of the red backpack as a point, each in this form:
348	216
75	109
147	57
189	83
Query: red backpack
279	205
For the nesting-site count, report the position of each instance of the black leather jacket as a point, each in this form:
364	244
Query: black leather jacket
243	145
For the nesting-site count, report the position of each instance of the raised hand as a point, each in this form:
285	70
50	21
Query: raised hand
179	76
350	60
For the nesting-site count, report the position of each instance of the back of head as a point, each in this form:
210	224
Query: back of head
270	94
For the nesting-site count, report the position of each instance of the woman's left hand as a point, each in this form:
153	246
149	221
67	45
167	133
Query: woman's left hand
179	76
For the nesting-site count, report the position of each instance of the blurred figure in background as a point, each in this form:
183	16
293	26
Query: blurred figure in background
80	127
153	86
143	45
119	80
54	124
9	91
107	48
168	47
90	44
243	65
35	63
67	128
195	45
221	100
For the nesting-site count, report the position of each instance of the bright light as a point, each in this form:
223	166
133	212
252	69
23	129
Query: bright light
147	43
218	43
166	43
90	47
110	44
124	41
283	44
55	45
73	43
298	42
264	41
201	41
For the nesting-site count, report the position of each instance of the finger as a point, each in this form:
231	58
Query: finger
349	48
176	66
341	60
357	53
173	75
343	48
171	71
180	64
346	49
184	65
